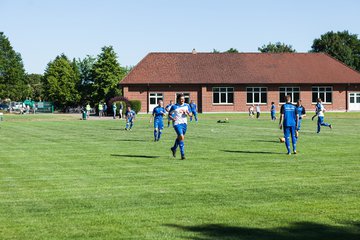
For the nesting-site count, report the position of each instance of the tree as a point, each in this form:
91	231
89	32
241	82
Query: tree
215	51
106	75
85	86
12	72
60	82
343	46
34	86
276	48
232	50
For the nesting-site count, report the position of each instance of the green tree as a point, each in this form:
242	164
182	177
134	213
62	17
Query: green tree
85	86
60	82
276	48
34	86
215	51
232	50
343	46
12	72
106	75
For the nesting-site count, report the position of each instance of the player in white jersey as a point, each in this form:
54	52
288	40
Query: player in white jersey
320	113
178	114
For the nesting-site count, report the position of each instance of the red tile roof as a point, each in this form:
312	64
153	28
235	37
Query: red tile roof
240	68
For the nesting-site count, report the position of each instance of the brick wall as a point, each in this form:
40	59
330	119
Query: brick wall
203	96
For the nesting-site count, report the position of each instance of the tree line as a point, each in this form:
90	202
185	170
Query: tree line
73	82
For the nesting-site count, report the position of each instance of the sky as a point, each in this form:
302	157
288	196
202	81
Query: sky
40	30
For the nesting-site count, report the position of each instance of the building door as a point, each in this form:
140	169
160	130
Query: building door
153	100
354	101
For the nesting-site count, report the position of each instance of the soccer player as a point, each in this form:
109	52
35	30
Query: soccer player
193	110
288	122
258	111
158	113
251	111
178	114
167	108
273	111
320	113
129	117
302	113
114	110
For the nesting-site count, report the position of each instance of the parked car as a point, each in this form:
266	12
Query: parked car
4	107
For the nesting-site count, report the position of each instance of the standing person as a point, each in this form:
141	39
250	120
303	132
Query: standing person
178	114
105	109
167	108
273	111
100	109
251	111
114	110
88	108
121	110
288	122
193	110
302	113
258	111
129	117
320	113
158	113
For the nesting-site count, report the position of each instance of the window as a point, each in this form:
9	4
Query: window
155	97
294	92
325	93
223	95
186	96
256	95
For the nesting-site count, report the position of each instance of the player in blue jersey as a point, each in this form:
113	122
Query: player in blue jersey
273	111
288	122
158	113
129	117
178	114
167	108
319	111
193	110
302	113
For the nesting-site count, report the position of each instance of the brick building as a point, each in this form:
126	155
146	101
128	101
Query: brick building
231	82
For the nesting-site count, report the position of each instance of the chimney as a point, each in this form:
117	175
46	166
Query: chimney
194	51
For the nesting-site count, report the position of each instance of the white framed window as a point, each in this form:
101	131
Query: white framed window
186	96
294	92
223	95
323	92
155	97
256	95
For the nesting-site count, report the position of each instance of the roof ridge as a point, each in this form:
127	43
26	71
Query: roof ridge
190	53
326	54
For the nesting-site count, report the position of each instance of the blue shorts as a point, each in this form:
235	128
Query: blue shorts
159	124
180	129
289	131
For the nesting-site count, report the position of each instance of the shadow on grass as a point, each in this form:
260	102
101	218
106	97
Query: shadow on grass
130	140
250	152
295	231
266	141
133	156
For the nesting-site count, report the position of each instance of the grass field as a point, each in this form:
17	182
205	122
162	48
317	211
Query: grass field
62	178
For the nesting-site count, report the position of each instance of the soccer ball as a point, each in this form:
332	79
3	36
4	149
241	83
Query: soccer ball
282	139
226	119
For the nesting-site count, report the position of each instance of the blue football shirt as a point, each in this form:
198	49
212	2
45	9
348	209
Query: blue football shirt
158	113
290	112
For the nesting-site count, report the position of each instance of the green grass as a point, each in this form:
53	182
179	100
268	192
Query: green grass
62	178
